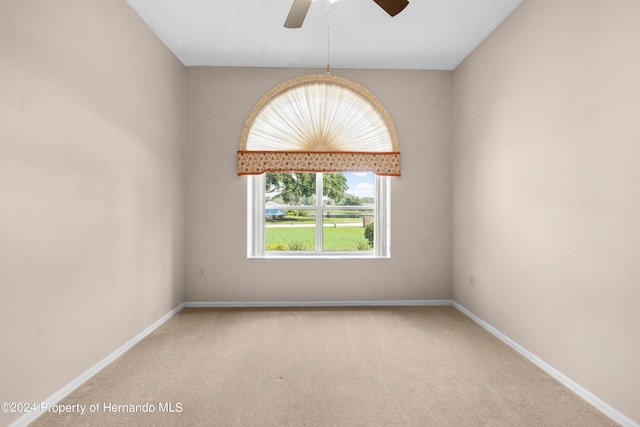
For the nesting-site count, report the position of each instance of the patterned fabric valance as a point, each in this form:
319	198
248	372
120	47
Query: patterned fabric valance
319	123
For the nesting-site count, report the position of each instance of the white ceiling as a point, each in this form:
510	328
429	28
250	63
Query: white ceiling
428	34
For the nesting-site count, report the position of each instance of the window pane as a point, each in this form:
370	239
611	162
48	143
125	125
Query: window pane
293	230
290	188
334	187
344	230
348	188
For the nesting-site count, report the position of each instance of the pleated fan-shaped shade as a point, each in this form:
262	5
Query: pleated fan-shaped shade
319	123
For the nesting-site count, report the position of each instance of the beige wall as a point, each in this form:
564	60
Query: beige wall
547	189
219	101
94	114
92	135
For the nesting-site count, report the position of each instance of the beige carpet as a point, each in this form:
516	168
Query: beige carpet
382	366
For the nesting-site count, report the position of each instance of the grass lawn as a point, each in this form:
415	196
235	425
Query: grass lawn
335	239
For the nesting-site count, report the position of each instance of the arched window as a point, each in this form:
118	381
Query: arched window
320	123
320	149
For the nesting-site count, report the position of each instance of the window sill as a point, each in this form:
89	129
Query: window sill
342	256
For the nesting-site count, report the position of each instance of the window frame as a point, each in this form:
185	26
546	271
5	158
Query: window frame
256	223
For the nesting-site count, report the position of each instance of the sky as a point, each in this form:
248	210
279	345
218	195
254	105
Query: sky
361	184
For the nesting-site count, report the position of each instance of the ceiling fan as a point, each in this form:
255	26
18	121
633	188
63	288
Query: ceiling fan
300	8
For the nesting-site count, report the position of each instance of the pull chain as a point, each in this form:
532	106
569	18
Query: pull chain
328	37
328	66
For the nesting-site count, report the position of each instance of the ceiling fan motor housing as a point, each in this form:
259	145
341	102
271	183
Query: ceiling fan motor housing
299	10
392	7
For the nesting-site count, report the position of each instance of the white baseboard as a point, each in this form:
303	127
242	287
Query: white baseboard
64	391
594	400
374	303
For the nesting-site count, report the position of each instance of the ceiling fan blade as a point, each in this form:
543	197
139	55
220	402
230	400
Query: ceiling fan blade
392	7
298	11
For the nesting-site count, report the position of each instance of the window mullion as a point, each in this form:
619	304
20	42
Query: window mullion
256	220
378	218
319	213
382	219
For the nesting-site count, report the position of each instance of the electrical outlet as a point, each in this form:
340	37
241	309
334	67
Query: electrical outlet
202	272
472	281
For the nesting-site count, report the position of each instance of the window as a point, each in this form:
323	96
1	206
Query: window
308	146
307	214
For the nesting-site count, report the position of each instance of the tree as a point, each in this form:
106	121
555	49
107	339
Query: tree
351	200
291	187
368	200
297	187
334	186
368	233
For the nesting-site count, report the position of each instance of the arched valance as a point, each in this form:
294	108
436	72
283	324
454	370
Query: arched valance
319	123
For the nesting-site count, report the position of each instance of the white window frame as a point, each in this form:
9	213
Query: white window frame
256	223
